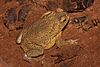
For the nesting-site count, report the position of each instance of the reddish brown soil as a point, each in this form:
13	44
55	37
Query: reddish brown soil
84	54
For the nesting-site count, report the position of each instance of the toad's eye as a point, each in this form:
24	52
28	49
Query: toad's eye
63	19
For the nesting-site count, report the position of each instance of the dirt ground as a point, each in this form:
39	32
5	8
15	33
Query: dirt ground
82	52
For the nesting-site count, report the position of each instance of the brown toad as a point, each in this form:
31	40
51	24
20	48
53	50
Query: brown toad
42	34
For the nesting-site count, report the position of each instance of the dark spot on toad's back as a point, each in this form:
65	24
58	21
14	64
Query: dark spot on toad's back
23	13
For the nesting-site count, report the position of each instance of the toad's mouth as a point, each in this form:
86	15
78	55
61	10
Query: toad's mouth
65	25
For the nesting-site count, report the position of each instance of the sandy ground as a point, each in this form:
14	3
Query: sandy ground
83	52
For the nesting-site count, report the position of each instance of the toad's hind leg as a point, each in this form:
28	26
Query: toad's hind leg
35	52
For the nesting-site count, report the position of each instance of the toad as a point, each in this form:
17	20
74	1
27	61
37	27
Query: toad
43	34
